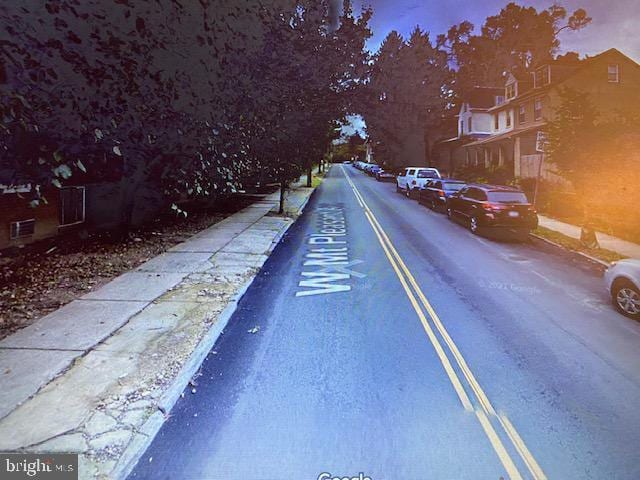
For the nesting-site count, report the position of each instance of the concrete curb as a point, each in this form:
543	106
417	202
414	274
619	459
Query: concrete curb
136	449
580	255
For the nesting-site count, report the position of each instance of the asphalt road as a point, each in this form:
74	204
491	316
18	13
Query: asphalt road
413	350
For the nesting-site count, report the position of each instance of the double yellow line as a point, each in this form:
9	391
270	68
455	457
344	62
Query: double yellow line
485	412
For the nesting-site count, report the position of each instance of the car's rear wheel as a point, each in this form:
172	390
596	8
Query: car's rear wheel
473	225
433	205
449	213
626	298
408	192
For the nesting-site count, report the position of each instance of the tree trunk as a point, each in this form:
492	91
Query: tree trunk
283	187
320	164
309	175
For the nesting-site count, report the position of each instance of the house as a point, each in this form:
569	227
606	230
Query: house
473	122
21	223
611	79
88	201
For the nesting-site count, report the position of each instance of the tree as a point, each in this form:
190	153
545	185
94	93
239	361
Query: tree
515	40
597	155
409	91
187	99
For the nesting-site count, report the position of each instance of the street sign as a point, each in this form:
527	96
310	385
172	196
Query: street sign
541	141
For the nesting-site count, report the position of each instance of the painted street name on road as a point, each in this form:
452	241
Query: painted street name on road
327	265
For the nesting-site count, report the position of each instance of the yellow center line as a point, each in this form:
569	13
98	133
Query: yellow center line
487	409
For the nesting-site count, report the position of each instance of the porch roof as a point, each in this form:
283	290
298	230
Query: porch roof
504	136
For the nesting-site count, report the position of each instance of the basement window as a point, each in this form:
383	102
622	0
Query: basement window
23	228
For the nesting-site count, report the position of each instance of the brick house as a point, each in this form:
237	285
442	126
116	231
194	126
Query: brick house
611	79
21	223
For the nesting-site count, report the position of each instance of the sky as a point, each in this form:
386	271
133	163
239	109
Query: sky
615	22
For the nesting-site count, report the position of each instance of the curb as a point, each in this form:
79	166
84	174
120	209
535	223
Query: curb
136	448
582	256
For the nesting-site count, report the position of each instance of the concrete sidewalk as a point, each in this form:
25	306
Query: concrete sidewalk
98	376
608	242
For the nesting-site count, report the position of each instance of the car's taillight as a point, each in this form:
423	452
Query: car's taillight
491	207
441	193
531	208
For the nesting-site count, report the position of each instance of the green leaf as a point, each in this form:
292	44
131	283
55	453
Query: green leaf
56	183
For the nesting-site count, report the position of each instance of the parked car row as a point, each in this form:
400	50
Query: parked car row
380	174
484	208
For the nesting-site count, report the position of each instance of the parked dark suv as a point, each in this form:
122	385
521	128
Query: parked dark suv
436	192
493	207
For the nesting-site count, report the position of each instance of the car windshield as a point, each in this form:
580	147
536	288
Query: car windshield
508	197
453	186
427	174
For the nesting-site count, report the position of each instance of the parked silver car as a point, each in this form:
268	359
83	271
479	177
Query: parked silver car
623	282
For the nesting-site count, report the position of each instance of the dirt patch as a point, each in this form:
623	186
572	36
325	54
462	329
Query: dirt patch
43	277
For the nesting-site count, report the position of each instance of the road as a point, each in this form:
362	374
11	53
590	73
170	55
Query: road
394	343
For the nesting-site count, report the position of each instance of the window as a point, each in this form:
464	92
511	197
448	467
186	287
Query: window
410	171
542	76
499	99
496	122
71	205
537	109
613	73
469	124
508	197
427	173
522	114
508	119
24	228
511	90
452	186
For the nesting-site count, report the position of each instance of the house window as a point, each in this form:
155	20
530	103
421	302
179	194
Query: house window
71	205
508	119
469	124
511	91
496	122
542	76
24	228
461	127
613	73
537	109
522	115
499	99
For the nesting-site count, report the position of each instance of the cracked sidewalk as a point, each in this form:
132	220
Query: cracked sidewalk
99	376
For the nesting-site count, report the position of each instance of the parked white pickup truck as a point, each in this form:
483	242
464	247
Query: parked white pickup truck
412	179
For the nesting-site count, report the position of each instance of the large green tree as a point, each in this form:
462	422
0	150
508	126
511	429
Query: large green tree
516	39
409	91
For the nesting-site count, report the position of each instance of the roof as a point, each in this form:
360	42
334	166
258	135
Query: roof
504	136
483	97
585	63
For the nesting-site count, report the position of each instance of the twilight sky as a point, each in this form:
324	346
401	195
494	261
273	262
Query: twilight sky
615	22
